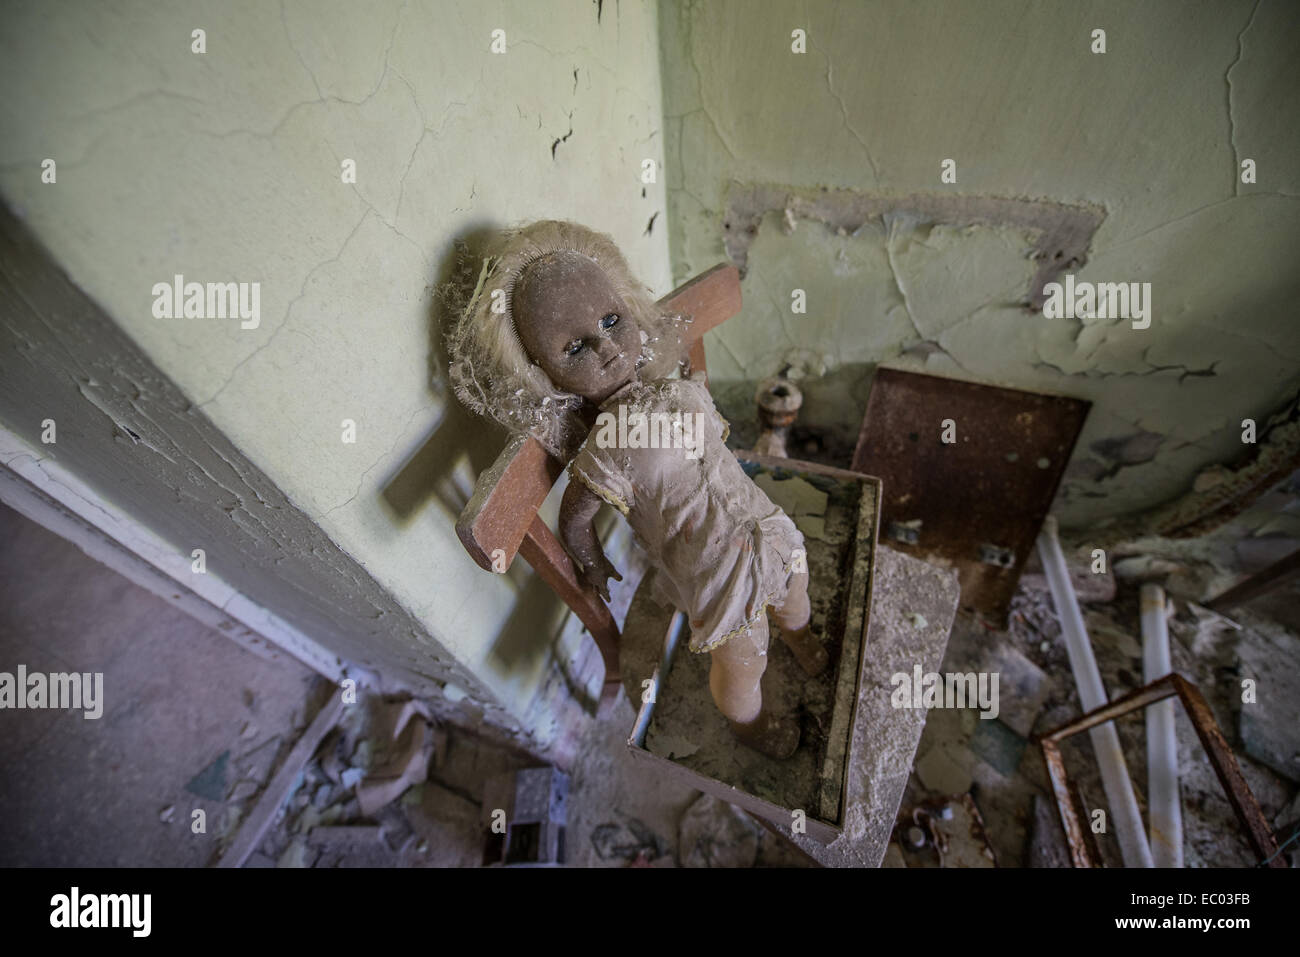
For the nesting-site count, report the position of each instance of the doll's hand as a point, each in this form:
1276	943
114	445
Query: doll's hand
597	573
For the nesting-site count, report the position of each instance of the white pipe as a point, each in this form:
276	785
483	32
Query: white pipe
1092	694
1165	811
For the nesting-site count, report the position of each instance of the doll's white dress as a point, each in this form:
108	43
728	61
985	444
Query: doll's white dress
724	551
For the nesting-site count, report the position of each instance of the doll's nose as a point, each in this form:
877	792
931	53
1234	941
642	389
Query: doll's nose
605	347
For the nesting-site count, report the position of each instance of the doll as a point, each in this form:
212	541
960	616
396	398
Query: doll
557	337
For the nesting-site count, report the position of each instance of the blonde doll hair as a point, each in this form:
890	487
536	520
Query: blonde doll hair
491	371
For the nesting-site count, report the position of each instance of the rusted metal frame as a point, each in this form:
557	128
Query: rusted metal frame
1229	771
1080	800
1157	690
1071	819
1216	747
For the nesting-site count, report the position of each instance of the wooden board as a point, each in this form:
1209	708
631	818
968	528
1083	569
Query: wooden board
259	819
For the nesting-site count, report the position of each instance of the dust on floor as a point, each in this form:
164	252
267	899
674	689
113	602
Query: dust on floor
1003	771
194	723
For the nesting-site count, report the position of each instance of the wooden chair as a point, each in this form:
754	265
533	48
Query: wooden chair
501	517
501	520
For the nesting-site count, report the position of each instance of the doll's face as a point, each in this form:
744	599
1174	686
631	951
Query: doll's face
575	325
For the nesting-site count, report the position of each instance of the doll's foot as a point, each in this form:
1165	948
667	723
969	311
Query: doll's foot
775	737
808	651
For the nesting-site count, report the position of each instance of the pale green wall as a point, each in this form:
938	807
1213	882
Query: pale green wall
1152	131
225	166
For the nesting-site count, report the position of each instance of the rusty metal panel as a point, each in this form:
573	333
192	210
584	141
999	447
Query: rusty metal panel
978	502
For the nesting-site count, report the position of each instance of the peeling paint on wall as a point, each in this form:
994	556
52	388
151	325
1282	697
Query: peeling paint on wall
226	166
1061	234
124	426
809	169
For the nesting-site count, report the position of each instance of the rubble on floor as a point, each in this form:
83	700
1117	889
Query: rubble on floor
623	813
978	794
386	788
998	765
425	784
440	806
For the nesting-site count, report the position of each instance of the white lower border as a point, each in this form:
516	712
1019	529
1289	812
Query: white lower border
39	488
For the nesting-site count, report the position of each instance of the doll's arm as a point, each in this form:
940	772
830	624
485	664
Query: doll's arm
578	511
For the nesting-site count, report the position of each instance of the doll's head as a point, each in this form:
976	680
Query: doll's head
555	321
574	324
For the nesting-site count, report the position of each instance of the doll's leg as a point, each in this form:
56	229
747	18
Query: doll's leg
794	617
735	676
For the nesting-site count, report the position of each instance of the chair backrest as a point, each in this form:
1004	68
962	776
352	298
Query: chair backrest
501	518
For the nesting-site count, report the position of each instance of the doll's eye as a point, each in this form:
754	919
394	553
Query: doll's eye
610	321
573	348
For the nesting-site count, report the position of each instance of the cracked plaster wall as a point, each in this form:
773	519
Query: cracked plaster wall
225	166
1150	132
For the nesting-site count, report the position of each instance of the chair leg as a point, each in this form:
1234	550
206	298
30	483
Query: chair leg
543	551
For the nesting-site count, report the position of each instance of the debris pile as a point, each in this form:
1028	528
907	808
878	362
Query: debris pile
1243	663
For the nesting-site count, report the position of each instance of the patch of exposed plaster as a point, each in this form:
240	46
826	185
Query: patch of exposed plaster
893	269
1062	233
1121	452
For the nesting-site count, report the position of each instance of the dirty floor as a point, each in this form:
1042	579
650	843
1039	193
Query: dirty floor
994	762
193	723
